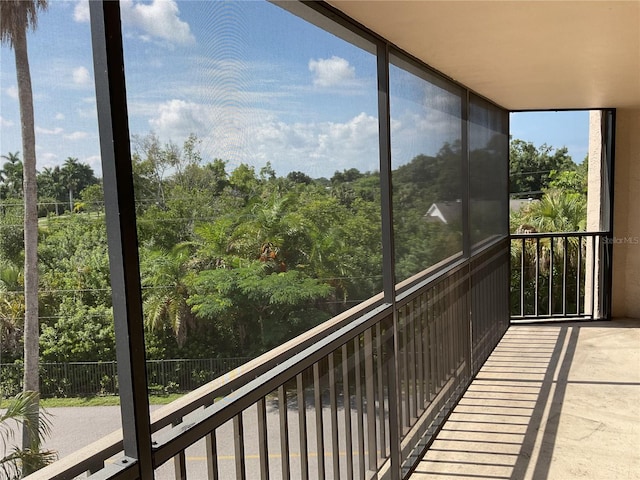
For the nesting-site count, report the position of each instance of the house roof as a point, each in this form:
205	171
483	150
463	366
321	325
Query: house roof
446	212
524	55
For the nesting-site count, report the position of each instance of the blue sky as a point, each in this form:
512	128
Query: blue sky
253	82
558	129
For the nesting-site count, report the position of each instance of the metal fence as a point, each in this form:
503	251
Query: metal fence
559	275
101	378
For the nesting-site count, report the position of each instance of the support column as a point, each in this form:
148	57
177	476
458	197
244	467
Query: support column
595	197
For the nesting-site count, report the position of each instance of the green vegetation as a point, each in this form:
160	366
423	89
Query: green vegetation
531	168
557	185
558	188
232	263
14	460
102	401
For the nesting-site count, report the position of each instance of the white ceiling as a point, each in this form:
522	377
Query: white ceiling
522	54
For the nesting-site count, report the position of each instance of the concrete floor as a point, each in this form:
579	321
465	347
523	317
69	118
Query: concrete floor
554	401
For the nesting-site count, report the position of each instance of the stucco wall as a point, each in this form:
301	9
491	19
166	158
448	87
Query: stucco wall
626	219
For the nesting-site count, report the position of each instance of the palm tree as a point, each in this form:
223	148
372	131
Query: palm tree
16	17
76	176
557	211
11	175
166	296
50	186
70	177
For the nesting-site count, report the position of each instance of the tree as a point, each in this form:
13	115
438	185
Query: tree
50	187
151	161
267	173
75	177
93	198
16	17
346	176
573	181
299	177
166	292
11	310
11	176
254	298
243	181
80	333
12	235
530	167
556	211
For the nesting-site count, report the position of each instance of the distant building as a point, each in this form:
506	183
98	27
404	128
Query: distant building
445	212
451	212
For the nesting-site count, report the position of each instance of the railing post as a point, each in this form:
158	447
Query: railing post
211	445
536	296
522	275
238	442
302	427
284	431
317	397
180	461
565	263
263	440
551	239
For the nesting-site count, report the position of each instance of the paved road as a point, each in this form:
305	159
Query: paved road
76	427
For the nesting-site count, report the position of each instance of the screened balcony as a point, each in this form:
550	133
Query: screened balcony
376	391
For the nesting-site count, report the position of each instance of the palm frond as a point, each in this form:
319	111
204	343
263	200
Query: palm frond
20	412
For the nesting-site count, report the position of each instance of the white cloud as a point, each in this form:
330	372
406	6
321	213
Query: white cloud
47	131
255	136
12	92
179	118
95	162
81	11
90	111
317	148
159	19
423	132
329	72
59	116
5	123
76	136
47	159
81	76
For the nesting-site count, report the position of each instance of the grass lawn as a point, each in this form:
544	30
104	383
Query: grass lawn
97	401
